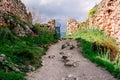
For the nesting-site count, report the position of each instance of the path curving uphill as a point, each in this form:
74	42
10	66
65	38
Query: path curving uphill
68	64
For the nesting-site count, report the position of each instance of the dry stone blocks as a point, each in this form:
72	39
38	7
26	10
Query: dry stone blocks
14	13
107	18
72	26
14	7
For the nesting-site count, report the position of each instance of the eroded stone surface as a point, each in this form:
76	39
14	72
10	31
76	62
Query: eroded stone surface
13	13
14	7
107	18
72	26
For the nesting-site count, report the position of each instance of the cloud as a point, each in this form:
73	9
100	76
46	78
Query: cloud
70	8
59	9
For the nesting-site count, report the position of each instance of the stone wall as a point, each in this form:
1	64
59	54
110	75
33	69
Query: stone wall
50	24
107	18
14	7
13	13
72	26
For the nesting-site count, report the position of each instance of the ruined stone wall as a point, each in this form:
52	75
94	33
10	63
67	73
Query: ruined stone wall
107	18
72	26
14	7
51	24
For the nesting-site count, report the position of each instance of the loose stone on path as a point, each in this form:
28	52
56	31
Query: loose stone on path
73	67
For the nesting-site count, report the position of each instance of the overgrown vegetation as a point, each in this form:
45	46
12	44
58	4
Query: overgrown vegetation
93	11
22	54
11	76
99	48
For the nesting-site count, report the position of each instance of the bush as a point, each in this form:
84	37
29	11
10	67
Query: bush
11	76
45	35
5	33
22	53
25	51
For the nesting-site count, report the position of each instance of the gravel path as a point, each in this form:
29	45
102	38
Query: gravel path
54	67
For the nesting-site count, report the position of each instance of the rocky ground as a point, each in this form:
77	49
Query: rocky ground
64	61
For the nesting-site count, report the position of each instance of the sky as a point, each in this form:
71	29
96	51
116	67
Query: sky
61	10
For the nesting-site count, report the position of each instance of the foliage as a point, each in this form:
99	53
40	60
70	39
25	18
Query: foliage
84	25
12	21
22	52
46	35
5	33
100	55
93	11
11	76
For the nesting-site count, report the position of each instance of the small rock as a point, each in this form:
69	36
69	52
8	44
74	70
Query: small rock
15	69
31	68
72	47
2	57
70	77
67	43
63	46
64	57
71	63
51	56
61	53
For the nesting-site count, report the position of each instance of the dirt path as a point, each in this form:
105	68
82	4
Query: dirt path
76	68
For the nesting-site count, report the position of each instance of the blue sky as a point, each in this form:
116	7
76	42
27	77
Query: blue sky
61	10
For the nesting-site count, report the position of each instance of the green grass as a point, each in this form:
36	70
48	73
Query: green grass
99	48
23	51
11	76
93	11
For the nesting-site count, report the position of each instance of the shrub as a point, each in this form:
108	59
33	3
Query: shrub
5	33
22	52
11	76
45	35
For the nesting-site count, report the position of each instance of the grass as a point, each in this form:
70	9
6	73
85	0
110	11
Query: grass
93	11
11	76
100	49
22	52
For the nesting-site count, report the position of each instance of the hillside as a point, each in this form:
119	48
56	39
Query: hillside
21	43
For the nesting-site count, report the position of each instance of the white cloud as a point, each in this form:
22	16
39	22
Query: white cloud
62	9
45	2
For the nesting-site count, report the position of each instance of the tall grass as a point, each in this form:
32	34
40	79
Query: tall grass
99	48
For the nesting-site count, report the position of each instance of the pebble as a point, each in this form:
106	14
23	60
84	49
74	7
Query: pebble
70	77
